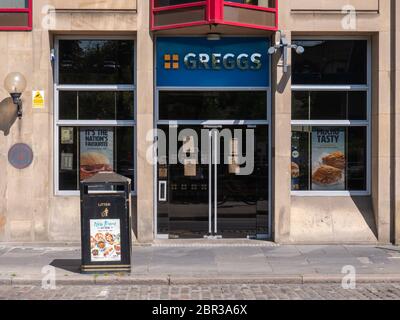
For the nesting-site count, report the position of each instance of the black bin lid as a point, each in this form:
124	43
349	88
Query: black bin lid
107	177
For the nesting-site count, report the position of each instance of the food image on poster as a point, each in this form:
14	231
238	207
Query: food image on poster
328	158
97	151
105	240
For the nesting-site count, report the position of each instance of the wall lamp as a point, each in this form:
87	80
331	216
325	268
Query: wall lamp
15	84
283	44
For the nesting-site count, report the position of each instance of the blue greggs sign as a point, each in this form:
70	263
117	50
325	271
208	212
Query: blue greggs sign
198	62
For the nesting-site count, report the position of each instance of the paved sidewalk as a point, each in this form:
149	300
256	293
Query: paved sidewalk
176	263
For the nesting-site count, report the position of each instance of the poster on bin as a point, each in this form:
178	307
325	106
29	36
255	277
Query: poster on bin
328	158
97	151
105	240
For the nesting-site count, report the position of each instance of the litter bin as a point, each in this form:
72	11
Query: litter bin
105	223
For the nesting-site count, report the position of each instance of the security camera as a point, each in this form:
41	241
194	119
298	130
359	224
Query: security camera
272	50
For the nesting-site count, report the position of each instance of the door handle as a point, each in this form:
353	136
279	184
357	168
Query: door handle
162	191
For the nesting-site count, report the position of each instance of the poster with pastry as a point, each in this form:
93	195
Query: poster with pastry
97	151
105	240
328	158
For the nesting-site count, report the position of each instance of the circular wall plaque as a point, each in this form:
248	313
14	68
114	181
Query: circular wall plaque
20	156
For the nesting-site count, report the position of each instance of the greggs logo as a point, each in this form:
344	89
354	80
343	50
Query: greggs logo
214	61
171	61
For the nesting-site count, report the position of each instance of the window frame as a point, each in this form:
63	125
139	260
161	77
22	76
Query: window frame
27	10
90	123
341	123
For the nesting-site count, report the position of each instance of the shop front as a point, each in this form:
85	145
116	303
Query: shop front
213	159
221	135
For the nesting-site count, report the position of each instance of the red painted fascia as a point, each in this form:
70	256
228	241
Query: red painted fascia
19	10
214	14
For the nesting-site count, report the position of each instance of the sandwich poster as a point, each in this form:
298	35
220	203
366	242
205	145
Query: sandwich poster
328	158
97	151
105	240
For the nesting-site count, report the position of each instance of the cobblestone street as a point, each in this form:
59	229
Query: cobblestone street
208	292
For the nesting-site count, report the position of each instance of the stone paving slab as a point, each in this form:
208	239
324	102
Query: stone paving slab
206	263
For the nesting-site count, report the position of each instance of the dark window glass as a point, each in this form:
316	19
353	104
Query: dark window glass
68	105
118	156
357	105
218	105
68	158
184	15
94	105
124	152
330	62
96	62
14	19
262	3
329	158
300	105
329	105
166	3
13	4
300	158
356	158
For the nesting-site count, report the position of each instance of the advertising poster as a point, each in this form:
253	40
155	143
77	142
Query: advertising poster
105	240
295	165
97	151
328	158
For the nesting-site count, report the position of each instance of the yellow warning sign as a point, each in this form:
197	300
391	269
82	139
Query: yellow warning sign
38	99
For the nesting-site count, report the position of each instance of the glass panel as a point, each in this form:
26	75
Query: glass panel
14	4
68	158
165	18
357	158
14	19
300	105
93	105
330	62
96	62
166	3
243	199
329	105
185	213
329	158
249	16
125	152
213	105
300	158
83	152
68	105
357	105
260	3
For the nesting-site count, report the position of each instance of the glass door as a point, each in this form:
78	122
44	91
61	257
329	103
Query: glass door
214	183
183	187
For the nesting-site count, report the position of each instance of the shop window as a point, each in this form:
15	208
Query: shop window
95	110
331	62
96	62
331	118
16	15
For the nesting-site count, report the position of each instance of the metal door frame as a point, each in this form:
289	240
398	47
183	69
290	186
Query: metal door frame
266	122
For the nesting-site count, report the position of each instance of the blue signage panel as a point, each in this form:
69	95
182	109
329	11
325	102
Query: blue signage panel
198	62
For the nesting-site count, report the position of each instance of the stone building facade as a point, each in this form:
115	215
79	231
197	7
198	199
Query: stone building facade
34	208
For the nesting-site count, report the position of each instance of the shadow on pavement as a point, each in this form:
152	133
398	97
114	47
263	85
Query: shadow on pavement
71	265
